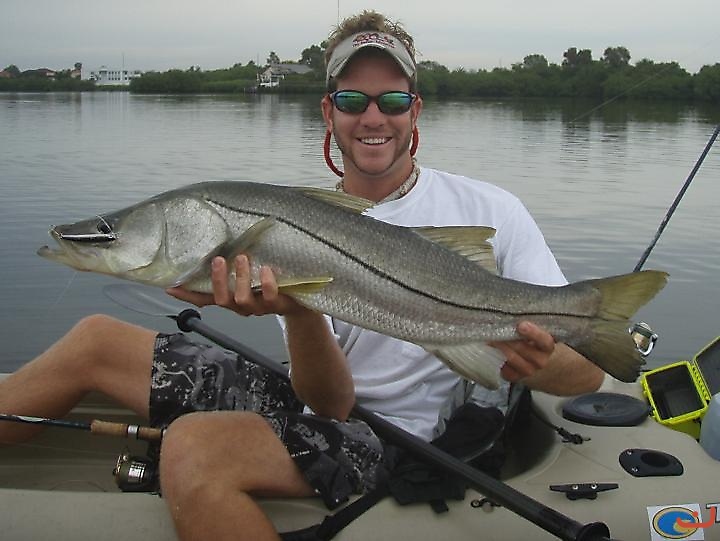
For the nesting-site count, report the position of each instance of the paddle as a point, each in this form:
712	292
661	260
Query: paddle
145	300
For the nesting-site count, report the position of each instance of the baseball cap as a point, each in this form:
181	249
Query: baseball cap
380	40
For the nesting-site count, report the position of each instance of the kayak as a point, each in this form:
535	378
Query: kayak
61	486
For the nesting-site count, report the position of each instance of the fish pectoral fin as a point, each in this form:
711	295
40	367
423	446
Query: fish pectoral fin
304	285
469	241
195	272
352	203
477	362
202	268
229	250
249	238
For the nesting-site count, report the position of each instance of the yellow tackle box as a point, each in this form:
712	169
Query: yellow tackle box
679	393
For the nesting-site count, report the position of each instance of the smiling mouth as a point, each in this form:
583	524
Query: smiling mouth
374	140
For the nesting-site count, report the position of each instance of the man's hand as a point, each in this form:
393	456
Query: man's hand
241	298
527	355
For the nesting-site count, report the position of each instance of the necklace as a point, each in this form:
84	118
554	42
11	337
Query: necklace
401	190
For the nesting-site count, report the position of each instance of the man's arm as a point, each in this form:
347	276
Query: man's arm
567	373
542	364
319	374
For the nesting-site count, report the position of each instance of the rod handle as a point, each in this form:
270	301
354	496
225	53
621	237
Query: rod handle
125	430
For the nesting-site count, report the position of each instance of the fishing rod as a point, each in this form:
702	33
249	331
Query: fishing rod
552	521
675	203
97	427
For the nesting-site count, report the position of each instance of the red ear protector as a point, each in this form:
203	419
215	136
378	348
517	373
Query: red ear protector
334	169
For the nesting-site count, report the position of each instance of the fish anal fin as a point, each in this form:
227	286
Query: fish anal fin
477	362
469	241
351	203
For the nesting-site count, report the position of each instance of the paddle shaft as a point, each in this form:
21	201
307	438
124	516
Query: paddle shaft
548	519
104	428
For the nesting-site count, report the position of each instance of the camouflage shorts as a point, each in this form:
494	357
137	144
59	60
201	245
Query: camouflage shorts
337	458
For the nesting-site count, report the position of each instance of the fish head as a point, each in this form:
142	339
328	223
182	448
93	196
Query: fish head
152	242
117	243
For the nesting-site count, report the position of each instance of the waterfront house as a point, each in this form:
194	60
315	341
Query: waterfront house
106	76
275	73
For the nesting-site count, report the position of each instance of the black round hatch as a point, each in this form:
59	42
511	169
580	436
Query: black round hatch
606	409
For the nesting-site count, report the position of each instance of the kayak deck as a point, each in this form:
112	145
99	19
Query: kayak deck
62	484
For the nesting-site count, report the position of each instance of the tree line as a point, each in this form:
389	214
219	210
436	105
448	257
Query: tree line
578	76
14	80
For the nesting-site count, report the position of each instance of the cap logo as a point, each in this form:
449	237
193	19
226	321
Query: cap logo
368	38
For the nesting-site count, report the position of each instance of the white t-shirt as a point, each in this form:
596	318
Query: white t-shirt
401	381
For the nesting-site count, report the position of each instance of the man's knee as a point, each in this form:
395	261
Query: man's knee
94	331
111	356
98	336
198	440
205	446
97	324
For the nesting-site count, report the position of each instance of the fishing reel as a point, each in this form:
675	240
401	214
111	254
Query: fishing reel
644	337
135	473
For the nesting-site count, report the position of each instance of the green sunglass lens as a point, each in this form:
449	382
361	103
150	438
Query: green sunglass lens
351	102
394	103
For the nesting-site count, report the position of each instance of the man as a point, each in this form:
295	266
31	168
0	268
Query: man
215	463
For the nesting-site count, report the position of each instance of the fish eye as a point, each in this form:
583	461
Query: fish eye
104	228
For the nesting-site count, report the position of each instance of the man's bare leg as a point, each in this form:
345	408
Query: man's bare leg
212	466
98	354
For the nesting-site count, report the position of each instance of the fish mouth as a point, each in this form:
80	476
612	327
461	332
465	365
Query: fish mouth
59	252
68	245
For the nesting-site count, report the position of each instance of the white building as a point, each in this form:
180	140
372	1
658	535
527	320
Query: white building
272	76
105	76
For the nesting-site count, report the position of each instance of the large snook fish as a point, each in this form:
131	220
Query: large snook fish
423	285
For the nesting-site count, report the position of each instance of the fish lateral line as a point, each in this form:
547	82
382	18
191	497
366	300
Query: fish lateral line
385	276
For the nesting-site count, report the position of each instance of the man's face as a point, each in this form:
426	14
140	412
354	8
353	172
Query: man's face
373	144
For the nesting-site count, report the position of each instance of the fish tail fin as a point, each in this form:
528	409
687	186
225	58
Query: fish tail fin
624	295
612	348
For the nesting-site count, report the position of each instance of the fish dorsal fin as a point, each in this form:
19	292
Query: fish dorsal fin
341	200
228	250
477	362
470	241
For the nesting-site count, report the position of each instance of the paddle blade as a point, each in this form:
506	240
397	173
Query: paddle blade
147	300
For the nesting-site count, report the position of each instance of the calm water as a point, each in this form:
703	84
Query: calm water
598	184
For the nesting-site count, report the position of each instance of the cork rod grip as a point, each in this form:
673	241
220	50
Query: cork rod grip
125	430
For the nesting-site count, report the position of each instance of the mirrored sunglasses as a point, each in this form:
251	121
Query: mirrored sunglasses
355	102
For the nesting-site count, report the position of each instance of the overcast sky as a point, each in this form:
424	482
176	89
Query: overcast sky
474	34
